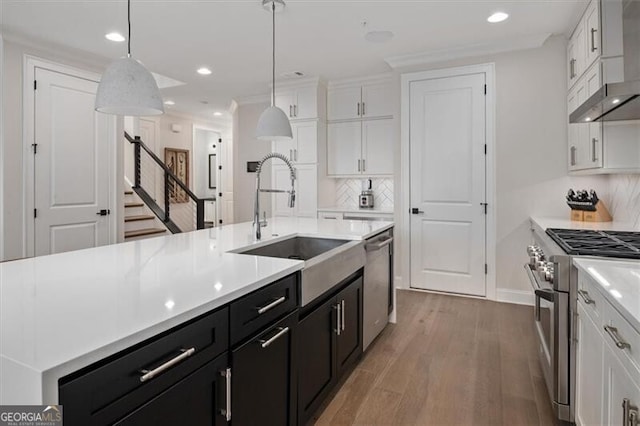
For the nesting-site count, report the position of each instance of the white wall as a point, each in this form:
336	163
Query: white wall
248	148
203	146
531	154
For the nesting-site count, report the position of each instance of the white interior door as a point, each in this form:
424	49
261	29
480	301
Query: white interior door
72	167
447	140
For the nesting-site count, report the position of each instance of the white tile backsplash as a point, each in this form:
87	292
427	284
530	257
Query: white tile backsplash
348	190
624	198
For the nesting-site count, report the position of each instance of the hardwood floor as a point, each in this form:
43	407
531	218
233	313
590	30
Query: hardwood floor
448	361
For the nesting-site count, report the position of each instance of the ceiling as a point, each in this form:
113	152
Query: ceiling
318	37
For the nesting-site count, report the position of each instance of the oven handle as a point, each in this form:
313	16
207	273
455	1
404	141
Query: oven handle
532	277
548	295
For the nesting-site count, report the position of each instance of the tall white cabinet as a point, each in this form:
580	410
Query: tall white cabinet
360	129
304	102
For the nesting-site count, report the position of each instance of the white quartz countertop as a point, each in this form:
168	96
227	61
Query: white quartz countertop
356	209
619	283
62	312
565	223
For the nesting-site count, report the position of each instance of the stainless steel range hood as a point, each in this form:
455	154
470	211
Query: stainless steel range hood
619	98
612	102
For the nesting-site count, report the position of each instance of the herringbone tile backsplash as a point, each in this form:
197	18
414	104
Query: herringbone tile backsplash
348	190
624	198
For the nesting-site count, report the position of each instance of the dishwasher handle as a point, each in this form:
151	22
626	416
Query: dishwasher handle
383	242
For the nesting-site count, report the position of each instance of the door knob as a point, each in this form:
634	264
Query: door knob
104	212
415	210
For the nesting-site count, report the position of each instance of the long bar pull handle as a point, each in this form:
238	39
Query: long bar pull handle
573	155
290	110
263	309
295	110
359	165
613	333
594	155
358	109
338	308
585	296
363	109
295	152
291	154
364	169
226	412
150	374
593	39
342	321
281	332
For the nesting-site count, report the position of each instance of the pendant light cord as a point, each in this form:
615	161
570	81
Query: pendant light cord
273	52
129	25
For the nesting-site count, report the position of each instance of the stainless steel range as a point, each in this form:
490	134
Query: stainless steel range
554	281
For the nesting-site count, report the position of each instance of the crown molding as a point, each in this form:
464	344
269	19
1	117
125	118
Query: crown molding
359	81
467	51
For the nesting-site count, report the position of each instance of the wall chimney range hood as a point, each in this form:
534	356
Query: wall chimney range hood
619	98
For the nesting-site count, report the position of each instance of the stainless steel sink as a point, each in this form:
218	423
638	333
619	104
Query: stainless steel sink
326	261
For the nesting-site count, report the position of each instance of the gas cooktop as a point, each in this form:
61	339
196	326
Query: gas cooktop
597	243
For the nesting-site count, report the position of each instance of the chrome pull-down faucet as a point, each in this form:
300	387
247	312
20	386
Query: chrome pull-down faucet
292	192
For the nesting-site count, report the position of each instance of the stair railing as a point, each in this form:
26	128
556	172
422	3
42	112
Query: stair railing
174	191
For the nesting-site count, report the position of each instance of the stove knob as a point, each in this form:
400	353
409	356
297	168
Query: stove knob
549	271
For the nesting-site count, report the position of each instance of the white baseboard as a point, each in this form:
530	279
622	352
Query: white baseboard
518	297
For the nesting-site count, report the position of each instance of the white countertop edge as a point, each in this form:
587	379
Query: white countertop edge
545	223
584	263
48	380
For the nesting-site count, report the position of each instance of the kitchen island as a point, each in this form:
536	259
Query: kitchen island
64	312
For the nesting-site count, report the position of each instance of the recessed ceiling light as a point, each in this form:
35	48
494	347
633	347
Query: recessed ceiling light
204	71
615	101
498	17
169	103
378	36
587	119
117	37
217	113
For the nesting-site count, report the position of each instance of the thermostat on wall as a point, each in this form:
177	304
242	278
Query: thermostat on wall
252	166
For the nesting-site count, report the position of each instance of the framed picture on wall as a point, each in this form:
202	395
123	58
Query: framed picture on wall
212	171
178	162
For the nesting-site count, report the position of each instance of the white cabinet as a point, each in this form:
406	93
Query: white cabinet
303	147
357	148
607	374
589	384
583	48
306	187
362	101
300	103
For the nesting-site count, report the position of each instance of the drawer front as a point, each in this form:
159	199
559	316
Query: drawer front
258	309
90	398
626	337
591	299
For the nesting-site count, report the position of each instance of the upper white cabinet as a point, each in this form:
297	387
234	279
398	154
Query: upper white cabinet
584	48
356	148
585	139
302	103
306	187
360	101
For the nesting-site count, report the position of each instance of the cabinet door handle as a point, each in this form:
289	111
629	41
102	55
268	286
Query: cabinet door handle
290	111
593	39
573	155
263	309
281	332
226	412
363	109
585	296
359	165
594	156
572	68
291	154
295	152
295	110
150	374
338	308
342	321
613	333
364	169
358	109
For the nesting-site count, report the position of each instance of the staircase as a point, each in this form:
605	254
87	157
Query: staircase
139	220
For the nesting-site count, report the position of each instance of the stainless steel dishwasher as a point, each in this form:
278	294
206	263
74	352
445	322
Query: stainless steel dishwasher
378	289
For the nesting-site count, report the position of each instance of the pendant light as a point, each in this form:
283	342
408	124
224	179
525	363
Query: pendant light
127	87
273	124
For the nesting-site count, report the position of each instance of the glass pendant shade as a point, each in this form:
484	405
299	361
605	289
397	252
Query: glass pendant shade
128	88
273	125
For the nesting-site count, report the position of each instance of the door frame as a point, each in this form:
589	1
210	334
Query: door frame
194	128
30	63
2	159
490	185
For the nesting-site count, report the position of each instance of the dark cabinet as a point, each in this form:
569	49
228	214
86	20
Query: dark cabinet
330	342
198	399
263	376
